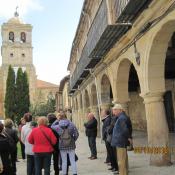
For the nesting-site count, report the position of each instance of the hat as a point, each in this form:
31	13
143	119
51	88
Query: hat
118	106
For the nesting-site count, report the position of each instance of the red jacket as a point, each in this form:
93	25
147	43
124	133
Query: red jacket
40	142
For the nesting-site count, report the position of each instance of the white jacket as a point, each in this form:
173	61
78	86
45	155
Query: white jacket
25	132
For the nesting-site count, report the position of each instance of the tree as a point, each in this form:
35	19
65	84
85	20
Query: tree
26	92
22	94
10	94
44	108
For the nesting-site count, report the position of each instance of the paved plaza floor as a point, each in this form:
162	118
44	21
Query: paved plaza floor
138	163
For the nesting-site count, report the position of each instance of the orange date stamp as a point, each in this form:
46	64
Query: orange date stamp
153	150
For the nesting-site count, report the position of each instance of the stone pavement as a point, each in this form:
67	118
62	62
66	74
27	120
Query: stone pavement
138	163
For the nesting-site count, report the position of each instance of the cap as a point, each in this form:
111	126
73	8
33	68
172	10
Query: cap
117	106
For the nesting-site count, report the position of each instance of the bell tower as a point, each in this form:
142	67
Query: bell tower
17	51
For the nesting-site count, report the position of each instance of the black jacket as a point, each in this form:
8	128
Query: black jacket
91	128
12	133
106	125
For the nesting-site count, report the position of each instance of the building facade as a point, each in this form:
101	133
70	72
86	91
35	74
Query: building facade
63	98
17	51
123	52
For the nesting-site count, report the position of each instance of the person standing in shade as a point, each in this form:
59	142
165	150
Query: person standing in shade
52	118
91	133
106	119
13	137
4	153
121	137
22	123
25	132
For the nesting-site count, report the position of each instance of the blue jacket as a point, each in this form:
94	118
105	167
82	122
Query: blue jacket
121	132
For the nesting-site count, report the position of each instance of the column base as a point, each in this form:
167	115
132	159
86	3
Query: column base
160	160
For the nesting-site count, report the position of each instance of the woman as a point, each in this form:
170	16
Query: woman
25	132
22	123
43	140
68	135
13	137
4	153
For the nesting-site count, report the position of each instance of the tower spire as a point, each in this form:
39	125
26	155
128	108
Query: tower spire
16	14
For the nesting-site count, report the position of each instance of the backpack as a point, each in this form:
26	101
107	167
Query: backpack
4	144
66	138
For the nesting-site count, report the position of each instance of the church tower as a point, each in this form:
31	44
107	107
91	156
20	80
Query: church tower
16	51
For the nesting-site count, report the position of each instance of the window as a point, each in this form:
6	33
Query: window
23	37
23	55
11	36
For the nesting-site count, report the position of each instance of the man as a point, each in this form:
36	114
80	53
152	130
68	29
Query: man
91	133
25	132
121	137
106	119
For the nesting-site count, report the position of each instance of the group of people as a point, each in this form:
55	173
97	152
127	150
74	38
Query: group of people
55	136
117	135
48	137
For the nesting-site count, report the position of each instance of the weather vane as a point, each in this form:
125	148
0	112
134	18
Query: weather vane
16	12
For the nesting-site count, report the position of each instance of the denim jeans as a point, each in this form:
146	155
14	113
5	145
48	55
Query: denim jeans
92	146
30	165
71	154
42	160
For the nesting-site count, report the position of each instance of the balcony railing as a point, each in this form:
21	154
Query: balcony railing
103	34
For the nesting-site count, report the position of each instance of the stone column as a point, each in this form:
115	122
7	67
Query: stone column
157	128
94	110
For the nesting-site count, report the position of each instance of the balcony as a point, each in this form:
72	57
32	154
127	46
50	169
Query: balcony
104	33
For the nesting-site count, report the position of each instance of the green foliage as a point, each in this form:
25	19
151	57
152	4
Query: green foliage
10	94
17	99
22	94
44	109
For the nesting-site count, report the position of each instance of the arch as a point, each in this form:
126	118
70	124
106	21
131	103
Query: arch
155	61
86	99
11	36
94	95
106	90
23	37
122	79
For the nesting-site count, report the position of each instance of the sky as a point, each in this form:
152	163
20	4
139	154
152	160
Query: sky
54	25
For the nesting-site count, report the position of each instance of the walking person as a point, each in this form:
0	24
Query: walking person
22	123
91	133
68	135
121	138
13	137
42	139
25	132
6	168
52	118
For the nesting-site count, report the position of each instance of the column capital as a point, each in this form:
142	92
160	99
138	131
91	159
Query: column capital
152	97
